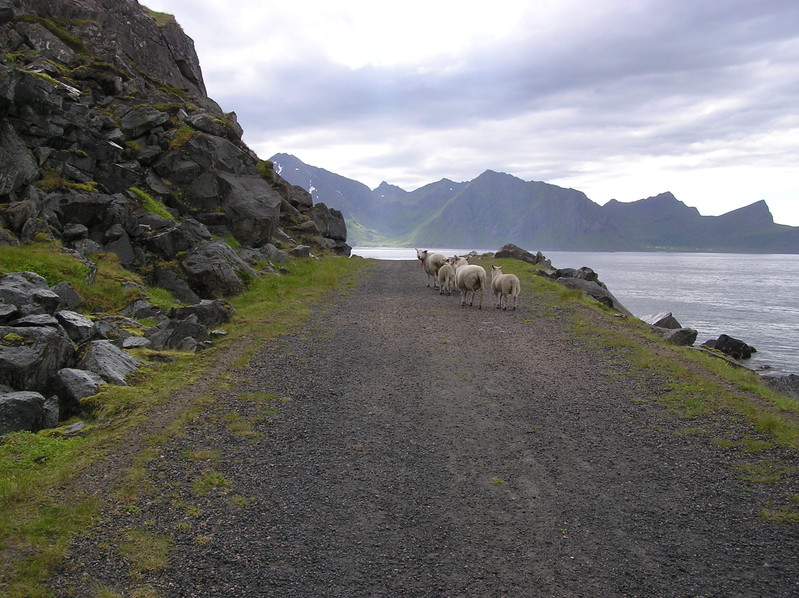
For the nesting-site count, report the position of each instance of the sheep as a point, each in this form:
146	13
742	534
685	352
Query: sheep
470	278
505	286
431	262
446	277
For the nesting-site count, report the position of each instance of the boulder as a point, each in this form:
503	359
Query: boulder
71	385
141	310
735	348
208	312
300	251
108	361
29	356
173	334
140	120
275	255
513	251
135	342
117	328
785	385
662	320
683	337
79	328
214	270
168	279
329	222
595	290
22	410
252	207
29	293
70	299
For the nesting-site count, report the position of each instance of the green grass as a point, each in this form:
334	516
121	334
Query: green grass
207	482
152	205
146	551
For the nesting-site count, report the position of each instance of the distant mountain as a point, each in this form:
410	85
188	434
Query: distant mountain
497	208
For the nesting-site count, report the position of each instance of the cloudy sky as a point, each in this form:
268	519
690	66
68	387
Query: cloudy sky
620	99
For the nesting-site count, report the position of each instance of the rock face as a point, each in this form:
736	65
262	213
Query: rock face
110	143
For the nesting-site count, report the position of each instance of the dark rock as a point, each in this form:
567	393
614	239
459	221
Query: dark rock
300	251
735	348
214	270
509	250
70	299
117	328
276	255
18	167
172	334
71	385
684	337
168	279
329	222
19	411
785	385
30	355
595	290
74	232
135	342
208	312
252	207
181	237
662	320
8	313
36	320
29	293
141	310
140	120
80	329
51	412
108	361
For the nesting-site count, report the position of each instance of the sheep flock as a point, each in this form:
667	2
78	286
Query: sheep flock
448	274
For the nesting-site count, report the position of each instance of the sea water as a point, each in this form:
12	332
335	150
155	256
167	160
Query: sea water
752	297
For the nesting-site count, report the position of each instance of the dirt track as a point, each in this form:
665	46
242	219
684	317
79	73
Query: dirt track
433	450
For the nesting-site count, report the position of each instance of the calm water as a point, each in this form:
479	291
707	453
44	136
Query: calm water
751	297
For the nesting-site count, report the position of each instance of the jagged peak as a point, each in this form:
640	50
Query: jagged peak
755	213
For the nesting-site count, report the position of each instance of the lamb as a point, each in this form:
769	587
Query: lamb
470	279
446	277
505	286
431	262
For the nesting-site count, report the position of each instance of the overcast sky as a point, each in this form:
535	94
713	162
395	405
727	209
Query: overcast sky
620	99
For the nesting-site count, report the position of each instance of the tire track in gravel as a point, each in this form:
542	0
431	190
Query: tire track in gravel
435	450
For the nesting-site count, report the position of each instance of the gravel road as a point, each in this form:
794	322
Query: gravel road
415	448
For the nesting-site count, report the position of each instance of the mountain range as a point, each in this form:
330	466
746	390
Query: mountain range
497	208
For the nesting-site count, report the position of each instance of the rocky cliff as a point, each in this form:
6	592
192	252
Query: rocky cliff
110	143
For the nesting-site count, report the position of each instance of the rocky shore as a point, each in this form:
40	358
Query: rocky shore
733	350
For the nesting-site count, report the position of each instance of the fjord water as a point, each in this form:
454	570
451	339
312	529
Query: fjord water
754	298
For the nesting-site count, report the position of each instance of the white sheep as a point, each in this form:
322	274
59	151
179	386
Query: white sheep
431	262
505	286
470	279
446	277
